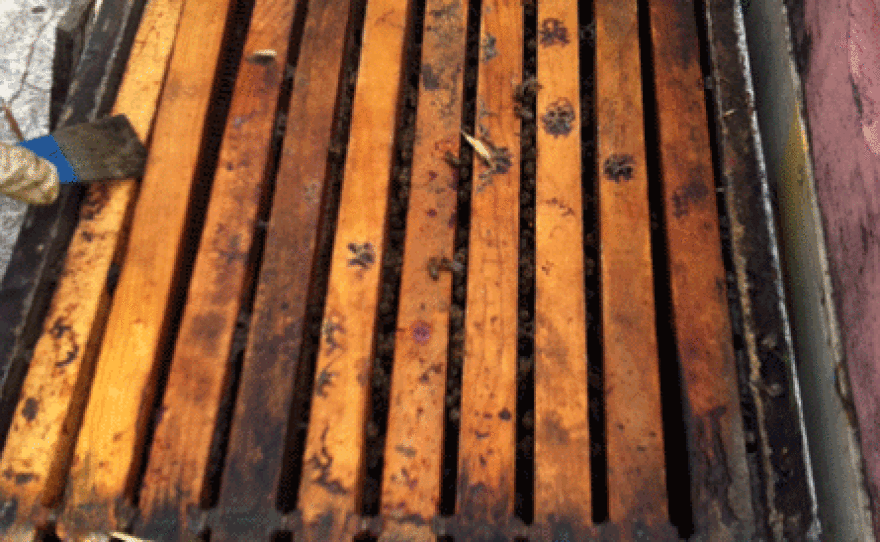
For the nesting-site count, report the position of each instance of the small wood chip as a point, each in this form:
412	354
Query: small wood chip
482	149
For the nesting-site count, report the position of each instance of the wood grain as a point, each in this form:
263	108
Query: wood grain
34	266
40	442
111	440
255	460
700	315
334	448
199	367
414	443
562	440
634	431
488	397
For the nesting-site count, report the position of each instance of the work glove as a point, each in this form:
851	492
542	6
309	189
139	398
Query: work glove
27	177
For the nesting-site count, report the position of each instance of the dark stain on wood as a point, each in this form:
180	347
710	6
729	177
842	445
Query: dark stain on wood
554	431
692	193
322	462
207	327
421	332
20	478
683	30
59	328
30	409
565	527
96	198
60	331
482	507
325	379
710	465
430	77
637	529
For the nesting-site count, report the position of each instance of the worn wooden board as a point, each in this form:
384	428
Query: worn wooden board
38	255
634	426
181	443
487	443
562	439
701	318
334	449
255	460
70	39
39	444
110	446
414	443
764	306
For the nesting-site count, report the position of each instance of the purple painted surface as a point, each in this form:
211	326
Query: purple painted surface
842	92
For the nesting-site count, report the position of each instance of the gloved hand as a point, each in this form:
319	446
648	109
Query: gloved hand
26	176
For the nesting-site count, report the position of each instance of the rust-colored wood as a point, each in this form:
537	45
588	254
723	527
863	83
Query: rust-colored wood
720	476
562	440
199	368
414	443
488	398
111	440
43	432
334	449
254	463
634	431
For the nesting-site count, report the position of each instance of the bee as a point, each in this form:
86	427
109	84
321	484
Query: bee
364	255
524	98
437	264
330	331
619	167
558	118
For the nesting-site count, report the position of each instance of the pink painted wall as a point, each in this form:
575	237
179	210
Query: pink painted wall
842	93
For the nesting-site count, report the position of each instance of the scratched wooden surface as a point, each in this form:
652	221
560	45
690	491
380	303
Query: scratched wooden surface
486	469
334	448
562	439
111	440
255	460
697	278
636	466
414	445
179	460
47	418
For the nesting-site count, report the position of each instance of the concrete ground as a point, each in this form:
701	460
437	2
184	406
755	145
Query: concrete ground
27	47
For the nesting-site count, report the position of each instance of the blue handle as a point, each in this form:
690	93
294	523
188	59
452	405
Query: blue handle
46	147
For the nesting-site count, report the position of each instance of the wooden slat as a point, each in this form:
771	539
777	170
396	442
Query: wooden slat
720	476
562	440
70	38
636	469
488	397
254	464
28	284
414	444
111	440
41	439
199	368
764	306
334	450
